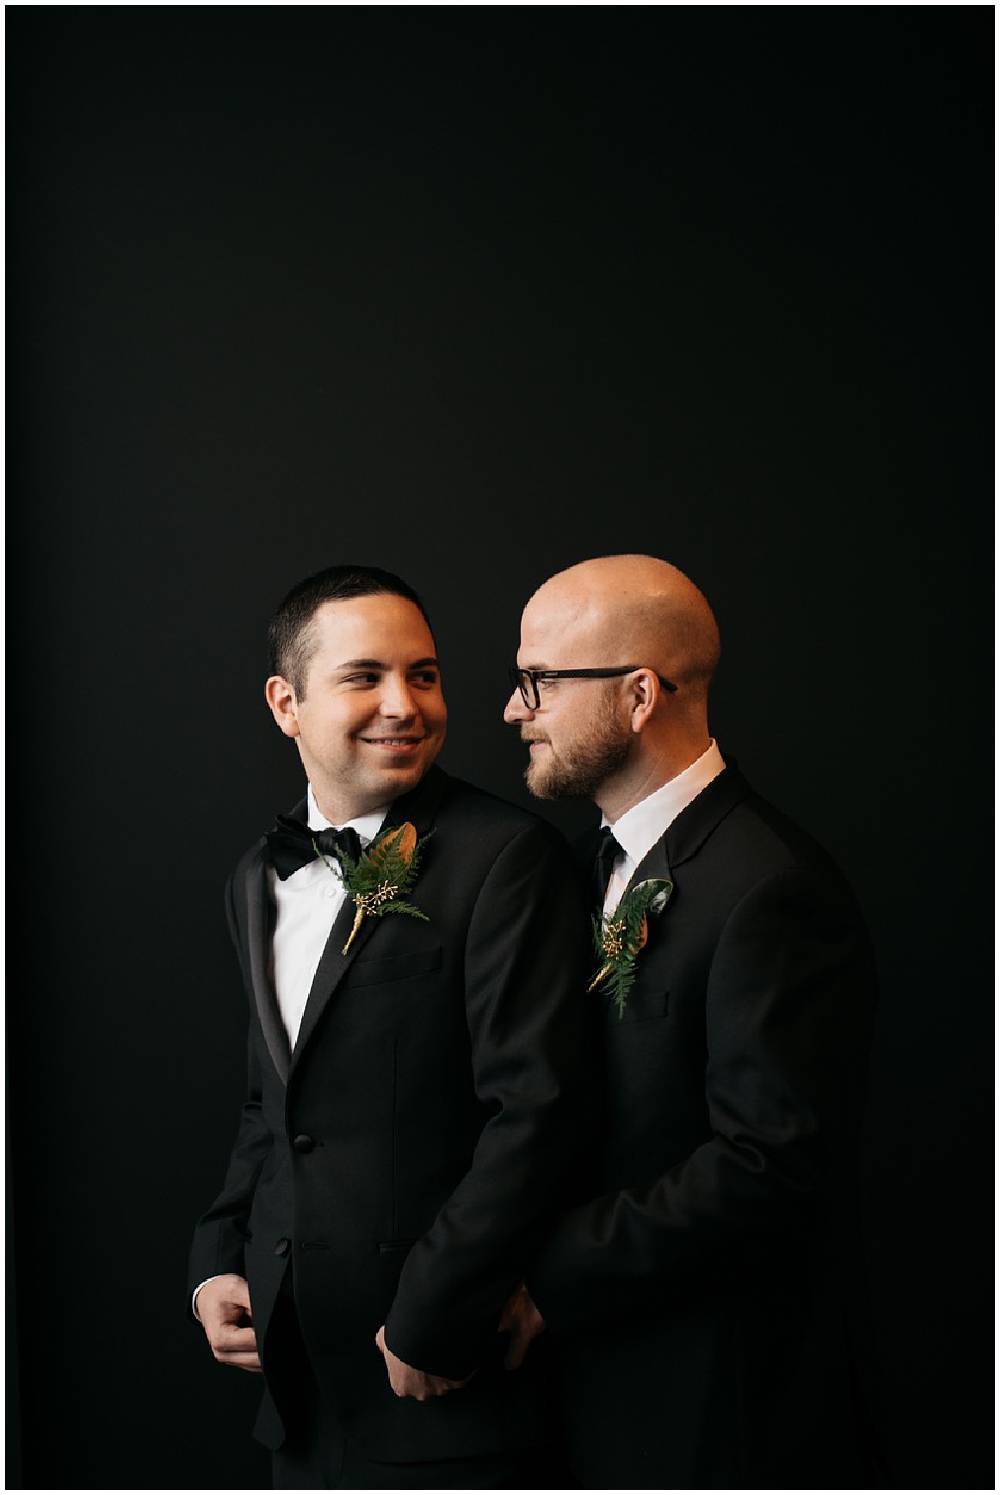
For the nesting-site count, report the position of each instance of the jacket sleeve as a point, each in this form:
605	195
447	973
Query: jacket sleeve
220	1234
788	1009
532	1054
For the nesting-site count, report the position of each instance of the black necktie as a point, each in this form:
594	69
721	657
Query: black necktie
290	844
608	851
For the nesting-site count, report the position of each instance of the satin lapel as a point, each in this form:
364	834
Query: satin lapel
419	806
330	971
259	930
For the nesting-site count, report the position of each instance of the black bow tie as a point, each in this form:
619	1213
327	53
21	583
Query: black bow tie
290	844
608	852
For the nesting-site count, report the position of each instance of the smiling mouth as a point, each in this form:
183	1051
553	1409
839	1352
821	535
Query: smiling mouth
393	742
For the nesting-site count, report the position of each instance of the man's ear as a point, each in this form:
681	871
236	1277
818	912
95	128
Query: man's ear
644	690
284	706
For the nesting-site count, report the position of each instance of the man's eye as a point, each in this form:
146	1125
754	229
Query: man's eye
369	677
547	684
425	677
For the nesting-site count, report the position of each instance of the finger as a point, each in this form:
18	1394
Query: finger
237	1349
413	1385
423	1391
234	1342
512	1308
240	1362
441	1386
225	1316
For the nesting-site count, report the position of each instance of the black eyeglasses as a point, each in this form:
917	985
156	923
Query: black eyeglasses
526	681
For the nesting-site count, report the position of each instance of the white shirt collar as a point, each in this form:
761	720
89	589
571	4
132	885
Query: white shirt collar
642	826
367	826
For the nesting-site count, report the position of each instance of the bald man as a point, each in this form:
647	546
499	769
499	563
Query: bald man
709	1301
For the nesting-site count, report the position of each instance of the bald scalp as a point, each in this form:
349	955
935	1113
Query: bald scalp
636	606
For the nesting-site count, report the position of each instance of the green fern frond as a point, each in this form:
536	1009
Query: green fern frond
619	938
398	907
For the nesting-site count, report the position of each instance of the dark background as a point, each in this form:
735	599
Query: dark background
474	293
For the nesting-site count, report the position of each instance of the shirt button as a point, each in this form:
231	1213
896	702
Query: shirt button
330	892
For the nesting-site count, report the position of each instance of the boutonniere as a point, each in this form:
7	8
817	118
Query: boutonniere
386	869
619	939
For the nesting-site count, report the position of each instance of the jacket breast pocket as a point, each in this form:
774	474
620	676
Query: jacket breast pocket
641	1006
395	967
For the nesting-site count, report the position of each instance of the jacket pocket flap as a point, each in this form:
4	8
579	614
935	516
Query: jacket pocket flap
395	967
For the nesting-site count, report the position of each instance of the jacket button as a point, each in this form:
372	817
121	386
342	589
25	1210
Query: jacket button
303	1143
283	1247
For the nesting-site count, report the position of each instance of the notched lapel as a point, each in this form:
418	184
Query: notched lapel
420	807
653	864
259	930
333	964
688	833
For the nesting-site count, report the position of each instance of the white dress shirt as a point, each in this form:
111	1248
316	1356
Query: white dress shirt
640	828
307	904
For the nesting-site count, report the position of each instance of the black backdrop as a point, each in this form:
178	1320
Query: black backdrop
474	293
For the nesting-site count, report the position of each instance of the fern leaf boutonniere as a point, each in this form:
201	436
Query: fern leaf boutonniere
619	938
384	872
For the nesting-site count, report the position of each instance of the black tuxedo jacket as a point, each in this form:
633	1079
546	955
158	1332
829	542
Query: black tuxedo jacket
402	1159
709	1302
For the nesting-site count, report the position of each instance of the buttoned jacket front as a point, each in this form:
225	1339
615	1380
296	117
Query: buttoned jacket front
402	1160
710	1300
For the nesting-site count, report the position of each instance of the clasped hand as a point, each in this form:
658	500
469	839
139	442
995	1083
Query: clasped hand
223	1306
523	1322
520	1319
406	1380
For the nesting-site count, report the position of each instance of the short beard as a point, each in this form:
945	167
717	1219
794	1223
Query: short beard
580	770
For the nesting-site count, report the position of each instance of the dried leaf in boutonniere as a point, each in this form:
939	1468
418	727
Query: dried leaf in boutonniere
619	939
386	869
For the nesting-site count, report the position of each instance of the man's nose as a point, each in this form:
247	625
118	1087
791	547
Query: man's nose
398	698
515	709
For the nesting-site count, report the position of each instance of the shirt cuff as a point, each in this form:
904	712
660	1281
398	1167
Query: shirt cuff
194	1295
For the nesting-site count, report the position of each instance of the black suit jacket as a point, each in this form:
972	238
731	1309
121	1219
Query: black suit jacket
709	1300
402	1159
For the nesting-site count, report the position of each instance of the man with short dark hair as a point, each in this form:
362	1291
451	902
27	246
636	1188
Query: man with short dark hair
709	1302
413	951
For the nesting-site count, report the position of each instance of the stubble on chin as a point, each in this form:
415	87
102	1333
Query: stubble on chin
578	772
537	780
